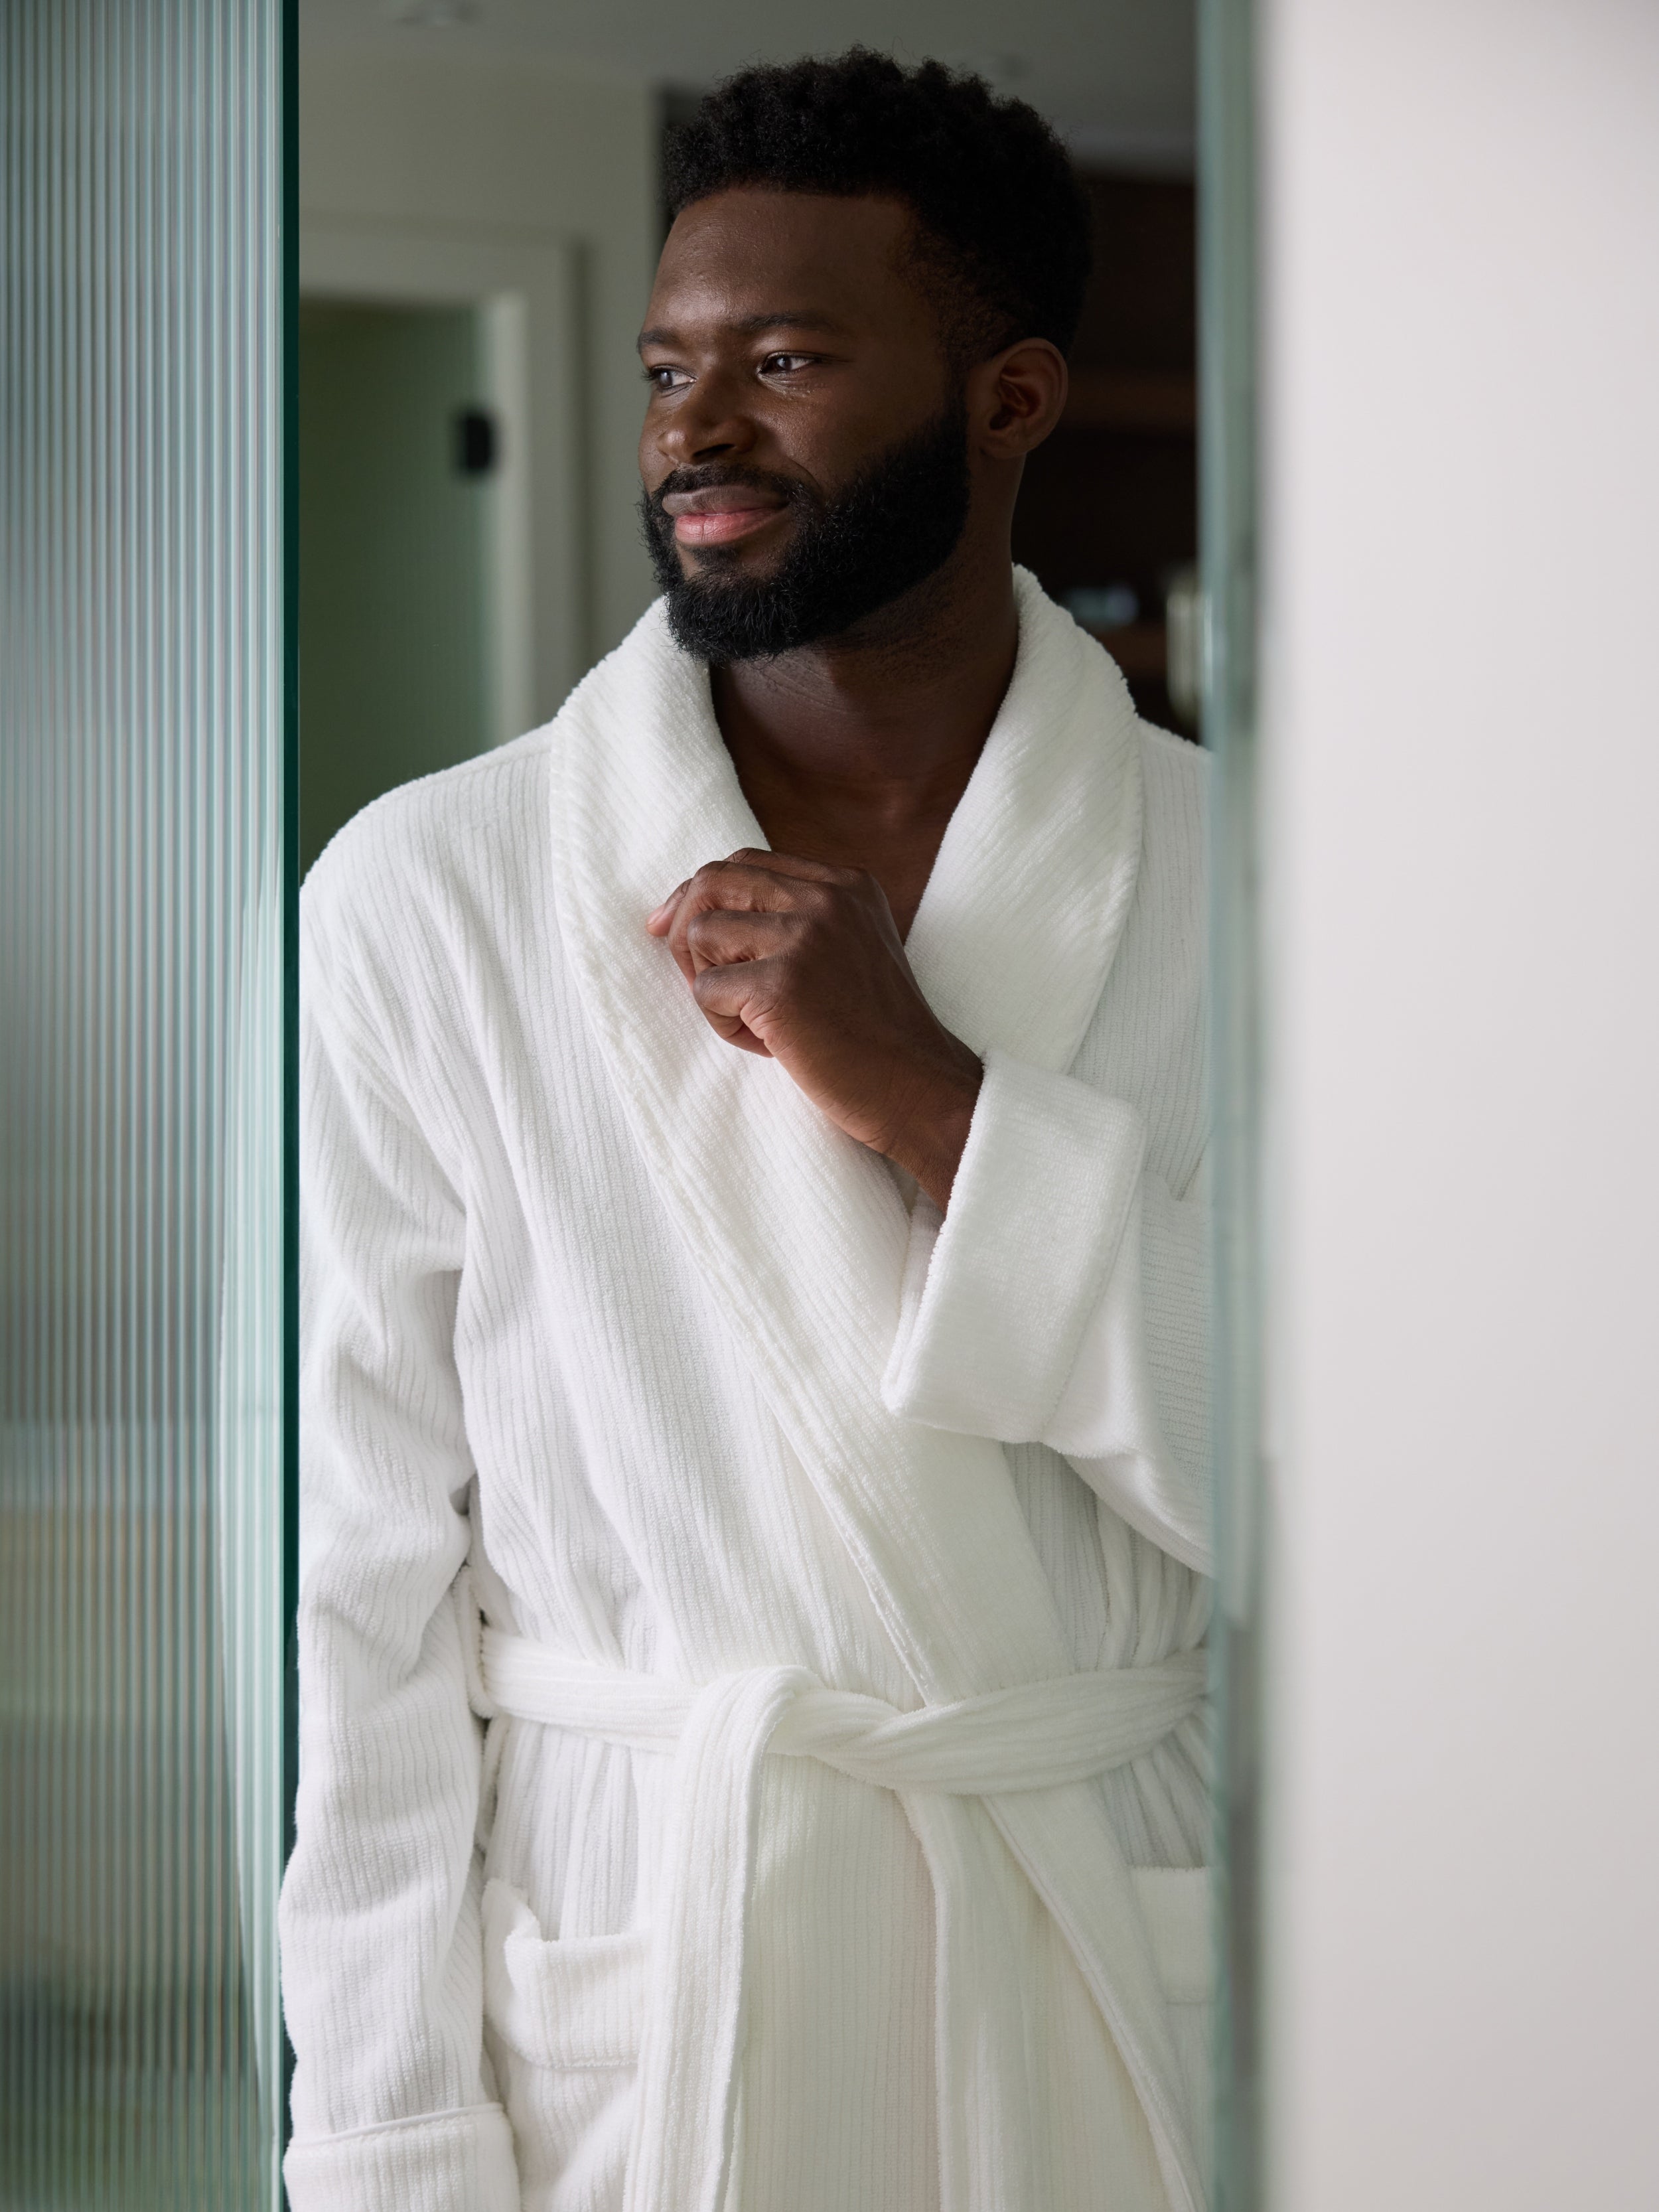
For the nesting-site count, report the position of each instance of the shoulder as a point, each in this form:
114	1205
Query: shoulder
397	905
1175	775
1178	768
1147	1041
1172	899
436	828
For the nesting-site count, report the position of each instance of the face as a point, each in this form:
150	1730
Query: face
805	454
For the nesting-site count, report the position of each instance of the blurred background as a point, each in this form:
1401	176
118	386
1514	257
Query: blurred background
481	215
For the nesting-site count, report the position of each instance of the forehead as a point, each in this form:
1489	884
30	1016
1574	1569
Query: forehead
746	254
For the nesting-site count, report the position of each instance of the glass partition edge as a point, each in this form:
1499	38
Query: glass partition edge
1228	525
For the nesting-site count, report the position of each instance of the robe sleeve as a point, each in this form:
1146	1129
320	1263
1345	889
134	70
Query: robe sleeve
1064	1299
381	1954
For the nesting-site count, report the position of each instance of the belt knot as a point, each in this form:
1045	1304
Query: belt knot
1037	1737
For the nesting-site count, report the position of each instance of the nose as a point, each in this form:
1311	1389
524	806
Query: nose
707	423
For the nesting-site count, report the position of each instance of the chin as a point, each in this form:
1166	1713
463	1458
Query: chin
743	563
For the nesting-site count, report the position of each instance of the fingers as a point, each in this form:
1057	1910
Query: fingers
788	864
719	939
722	886
658	920
783	867
738	887
733	998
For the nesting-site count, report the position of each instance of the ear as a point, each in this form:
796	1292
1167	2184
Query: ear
1015	398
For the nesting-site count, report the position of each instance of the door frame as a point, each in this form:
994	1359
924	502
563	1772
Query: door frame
527	291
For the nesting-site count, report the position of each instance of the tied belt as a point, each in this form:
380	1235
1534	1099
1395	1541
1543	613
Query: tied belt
1040	1736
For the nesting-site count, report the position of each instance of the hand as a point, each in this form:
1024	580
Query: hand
802	963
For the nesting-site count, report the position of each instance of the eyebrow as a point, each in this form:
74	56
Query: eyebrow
780	318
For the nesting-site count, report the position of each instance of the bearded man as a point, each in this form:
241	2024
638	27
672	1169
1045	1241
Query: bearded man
753	1753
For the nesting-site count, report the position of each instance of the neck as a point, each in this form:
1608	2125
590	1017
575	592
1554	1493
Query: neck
856	750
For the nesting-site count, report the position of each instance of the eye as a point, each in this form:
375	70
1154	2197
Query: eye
787	364
664	377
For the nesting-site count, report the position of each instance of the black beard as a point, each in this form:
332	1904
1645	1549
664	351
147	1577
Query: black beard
896	524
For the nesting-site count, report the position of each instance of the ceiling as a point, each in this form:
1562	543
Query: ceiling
1115	75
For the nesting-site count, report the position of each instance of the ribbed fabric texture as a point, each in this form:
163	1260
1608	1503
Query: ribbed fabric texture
688	1995
1038	1209
579	2004
603	1305
435	2164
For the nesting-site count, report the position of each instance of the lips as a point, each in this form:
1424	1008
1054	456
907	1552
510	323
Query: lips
720	514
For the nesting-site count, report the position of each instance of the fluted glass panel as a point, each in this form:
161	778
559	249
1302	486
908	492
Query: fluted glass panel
141	1238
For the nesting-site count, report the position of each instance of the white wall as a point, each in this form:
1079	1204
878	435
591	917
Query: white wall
1462	856
513	149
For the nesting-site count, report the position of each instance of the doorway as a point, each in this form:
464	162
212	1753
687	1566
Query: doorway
399	456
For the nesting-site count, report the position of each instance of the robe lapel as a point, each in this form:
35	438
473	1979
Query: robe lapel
801	1232
1027	901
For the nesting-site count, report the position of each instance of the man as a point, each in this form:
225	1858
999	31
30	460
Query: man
753	1299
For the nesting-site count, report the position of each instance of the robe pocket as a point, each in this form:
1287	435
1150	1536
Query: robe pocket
1175	1904
576	2003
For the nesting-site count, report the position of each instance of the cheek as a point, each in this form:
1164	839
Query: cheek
830	438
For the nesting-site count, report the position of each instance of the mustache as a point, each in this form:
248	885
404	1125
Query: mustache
717	475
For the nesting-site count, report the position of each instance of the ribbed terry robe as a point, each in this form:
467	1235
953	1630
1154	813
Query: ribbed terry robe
752	1732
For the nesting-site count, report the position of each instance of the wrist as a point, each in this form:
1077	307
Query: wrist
930	1143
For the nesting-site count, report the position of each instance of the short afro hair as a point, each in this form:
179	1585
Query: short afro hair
1002	222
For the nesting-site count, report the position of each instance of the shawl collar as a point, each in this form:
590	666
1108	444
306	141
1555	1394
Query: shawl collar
1023	912
801	1233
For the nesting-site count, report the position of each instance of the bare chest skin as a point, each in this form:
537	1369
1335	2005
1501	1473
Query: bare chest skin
893	837
858	799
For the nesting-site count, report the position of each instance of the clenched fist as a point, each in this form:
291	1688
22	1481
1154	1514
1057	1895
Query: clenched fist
802	962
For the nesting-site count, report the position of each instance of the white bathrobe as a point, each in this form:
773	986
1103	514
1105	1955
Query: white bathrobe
752	1745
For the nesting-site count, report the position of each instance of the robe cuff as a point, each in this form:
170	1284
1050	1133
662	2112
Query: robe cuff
456	2161
996	1298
